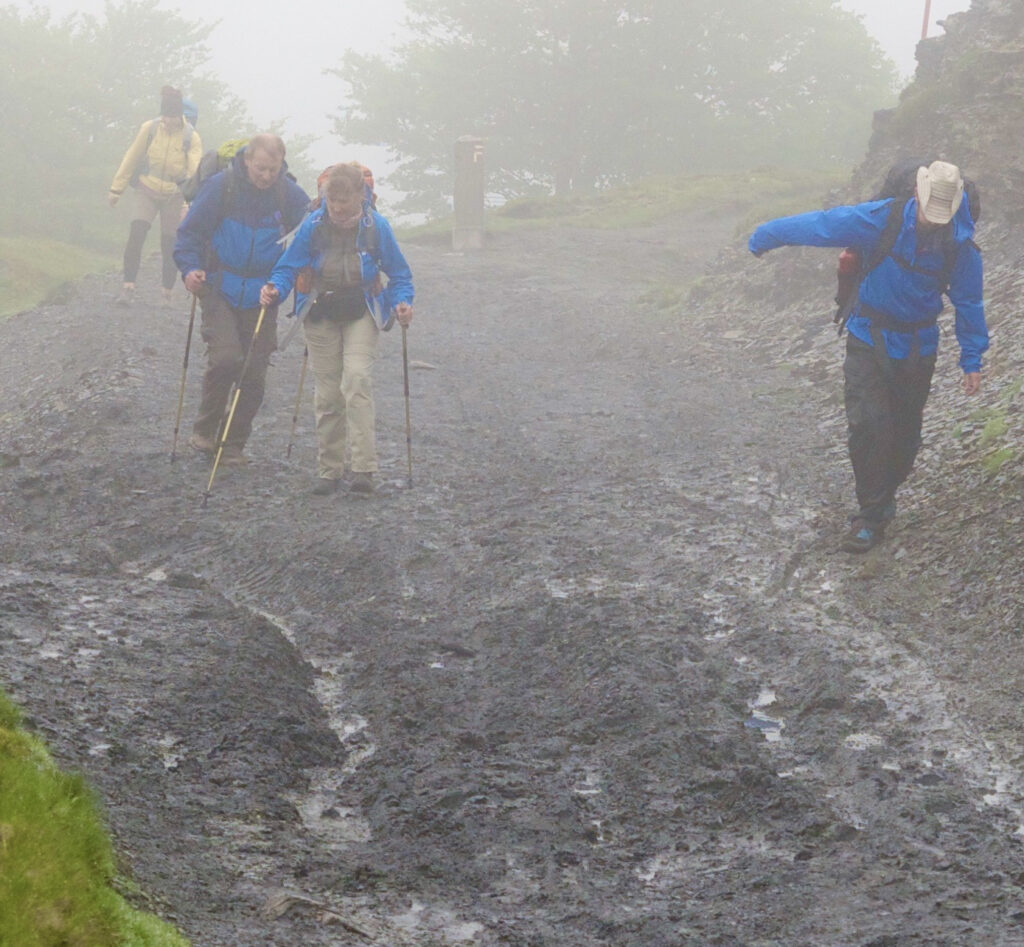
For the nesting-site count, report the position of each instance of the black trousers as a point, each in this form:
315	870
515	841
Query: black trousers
884	400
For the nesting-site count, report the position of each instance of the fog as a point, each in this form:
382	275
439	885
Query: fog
285	80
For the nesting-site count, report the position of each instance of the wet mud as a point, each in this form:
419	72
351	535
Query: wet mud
599	676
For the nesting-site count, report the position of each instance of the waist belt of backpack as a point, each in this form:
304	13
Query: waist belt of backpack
882	321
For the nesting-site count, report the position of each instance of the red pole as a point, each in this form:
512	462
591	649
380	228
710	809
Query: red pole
927	14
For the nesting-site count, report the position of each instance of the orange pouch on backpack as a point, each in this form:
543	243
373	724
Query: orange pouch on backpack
304	281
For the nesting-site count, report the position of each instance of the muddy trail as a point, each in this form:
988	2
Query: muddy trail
599	676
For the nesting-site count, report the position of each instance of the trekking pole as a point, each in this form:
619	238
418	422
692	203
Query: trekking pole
408	421
236	390
184	371
298	401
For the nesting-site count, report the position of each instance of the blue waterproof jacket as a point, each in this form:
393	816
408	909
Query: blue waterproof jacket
378	253
233	231
891	288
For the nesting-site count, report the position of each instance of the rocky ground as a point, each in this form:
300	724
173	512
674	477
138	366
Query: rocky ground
599	676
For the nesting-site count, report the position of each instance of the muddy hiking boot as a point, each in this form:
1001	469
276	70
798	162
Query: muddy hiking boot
203	444
326	486
361	483
863	535
232	456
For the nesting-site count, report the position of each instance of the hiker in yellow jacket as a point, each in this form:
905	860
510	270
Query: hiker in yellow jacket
165	152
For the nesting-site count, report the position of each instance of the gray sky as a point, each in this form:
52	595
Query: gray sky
295	40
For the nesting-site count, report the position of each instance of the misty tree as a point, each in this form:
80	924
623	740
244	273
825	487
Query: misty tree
76	90
578	93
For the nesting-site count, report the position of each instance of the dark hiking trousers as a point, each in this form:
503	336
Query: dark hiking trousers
227	333
884	399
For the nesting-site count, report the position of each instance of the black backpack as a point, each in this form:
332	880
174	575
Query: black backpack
899	186
212	161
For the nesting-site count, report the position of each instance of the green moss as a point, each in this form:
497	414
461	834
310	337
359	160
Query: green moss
993	463
56	863
995	428
664	296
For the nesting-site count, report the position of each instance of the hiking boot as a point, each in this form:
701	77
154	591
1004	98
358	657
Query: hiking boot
127	295
326	486
362	482
232	456
205	445
863	535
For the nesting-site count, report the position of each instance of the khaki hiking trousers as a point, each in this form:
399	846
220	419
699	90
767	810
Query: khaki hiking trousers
341	357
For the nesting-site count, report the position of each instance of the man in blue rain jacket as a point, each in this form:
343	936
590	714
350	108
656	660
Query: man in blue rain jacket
893	337
226	247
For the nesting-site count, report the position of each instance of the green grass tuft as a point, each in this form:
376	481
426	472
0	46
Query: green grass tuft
994	462
56	862
33	270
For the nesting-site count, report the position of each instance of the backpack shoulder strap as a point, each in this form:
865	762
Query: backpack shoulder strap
281	198
227	191
951	251
891	230
371	236
887	240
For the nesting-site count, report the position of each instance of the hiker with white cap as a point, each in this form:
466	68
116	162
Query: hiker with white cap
915	251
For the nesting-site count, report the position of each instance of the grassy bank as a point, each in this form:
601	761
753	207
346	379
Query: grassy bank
57	871
33	270
759	195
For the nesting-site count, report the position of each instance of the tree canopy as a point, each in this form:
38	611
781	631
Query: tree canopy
73	93
578	93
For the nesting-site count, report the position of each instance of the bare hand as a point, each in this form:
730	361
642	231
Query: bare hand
269	296
403	311
971	383
195	282
113	198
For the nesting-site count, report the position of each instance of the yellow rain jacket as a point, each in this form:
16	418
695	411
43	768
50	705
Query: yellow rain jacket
164	164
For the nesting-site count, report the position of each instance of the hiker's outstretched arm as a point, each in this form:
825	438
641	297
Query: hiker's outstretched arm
965	293
857	225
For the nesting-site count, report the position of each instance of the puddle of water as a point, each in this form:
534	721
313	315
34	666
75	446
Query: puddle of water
420	918
863	741
335	825
769	726
169	758
590	585
590	785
